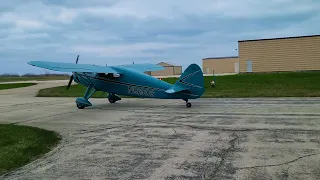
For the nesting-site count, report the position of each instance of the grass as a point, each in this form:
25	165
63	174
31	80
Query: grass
36	78
287	84
15	85
20	145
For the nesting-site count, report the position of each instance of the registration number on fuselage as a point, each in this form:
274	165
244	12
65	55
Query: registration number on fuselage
141	91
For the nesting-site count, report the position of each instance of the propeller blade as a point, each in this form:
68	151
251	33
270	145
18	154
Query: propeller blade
70	81
71	78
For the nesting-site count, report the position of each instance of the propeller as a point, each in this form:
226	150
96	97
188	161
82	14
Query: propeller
71	78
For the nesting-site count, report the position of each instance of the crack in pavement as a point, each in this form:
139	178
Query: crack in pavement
239	114
279	164
239	129
222	154
96	130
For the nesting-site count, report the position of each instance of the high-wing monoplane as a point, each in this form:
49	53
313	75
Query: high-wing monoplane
128	80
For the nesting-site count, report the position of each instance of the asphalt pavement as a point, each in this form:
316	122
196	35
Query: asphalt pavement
257	138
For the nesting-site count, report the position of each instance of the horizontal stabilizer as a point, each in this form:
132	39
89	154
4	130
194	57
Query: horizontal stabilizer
170	91
175	89
72	67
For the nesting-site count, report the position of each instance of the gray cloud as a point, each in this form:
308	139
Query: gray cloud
122	31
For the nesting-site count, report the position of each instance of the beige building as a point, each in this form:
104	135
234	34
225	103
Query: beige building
280	54
220	65
170	70
300	53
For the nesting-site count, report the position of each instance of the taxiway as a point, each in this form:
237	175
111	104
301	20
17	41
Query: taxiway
257	138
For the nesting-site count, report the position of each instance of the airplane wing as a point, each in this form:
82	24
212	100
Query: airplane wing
73	67
144	67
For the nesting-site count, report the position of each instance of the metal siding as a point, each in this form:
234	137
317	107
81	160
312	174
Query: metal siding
236	67
177	70
168	71
222	65
292	54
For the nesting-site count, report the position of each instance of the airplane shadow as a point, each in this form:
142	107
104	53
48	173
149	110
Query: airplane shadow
139	105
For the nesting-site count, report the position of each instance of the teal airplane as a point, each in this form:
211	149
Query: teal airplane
128	80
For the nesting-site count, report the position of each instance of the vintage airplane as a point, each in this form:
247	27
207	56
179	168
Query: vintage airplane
128	80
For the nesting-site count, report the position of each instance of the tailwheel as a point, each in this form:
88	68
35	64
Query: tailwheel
187	103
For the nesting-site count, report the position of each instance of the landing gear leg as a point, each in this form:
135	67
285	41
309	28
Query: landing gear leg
83	101
188	104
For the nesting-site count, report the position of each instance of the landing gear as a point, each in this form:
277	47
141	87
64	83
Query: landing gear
80	106
187	103
83	102
113	98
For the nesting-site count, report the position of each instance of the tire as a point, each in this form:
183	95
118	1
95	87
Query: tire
80	107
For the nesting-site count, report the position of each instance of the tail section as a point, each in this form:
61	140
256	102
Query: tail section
191	81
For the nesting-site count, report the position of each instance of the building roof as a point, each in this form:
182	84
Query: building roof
289	37
166	64
224	57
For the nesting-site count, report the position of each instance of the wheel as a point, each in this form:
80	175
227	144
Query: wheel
112	101
80	107
188	104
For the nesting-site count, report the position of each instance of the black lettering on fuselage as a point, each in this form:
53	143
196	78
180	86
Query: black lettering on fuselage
141	91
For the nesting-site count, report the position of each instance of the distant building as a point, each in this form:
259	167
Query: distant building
299	53
220	65
170	70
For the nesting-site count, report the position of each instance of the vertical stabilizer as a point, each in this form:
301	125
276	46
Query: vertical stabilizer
190	81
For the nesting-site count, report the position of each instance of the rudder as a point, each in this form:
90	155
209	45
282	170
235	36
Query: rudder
191	80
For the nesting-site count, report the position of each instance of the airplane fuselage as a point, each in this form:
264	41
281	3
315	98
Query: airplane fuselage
129	83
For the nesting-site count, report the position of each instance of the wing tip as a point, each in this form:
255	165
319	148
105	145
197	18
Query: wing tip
33	62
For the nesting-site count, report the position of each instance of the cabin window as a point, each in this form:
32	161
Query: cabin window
106	76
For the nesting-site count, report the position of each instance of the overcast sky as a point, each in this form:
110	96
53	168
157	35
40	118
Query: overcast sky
121	31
